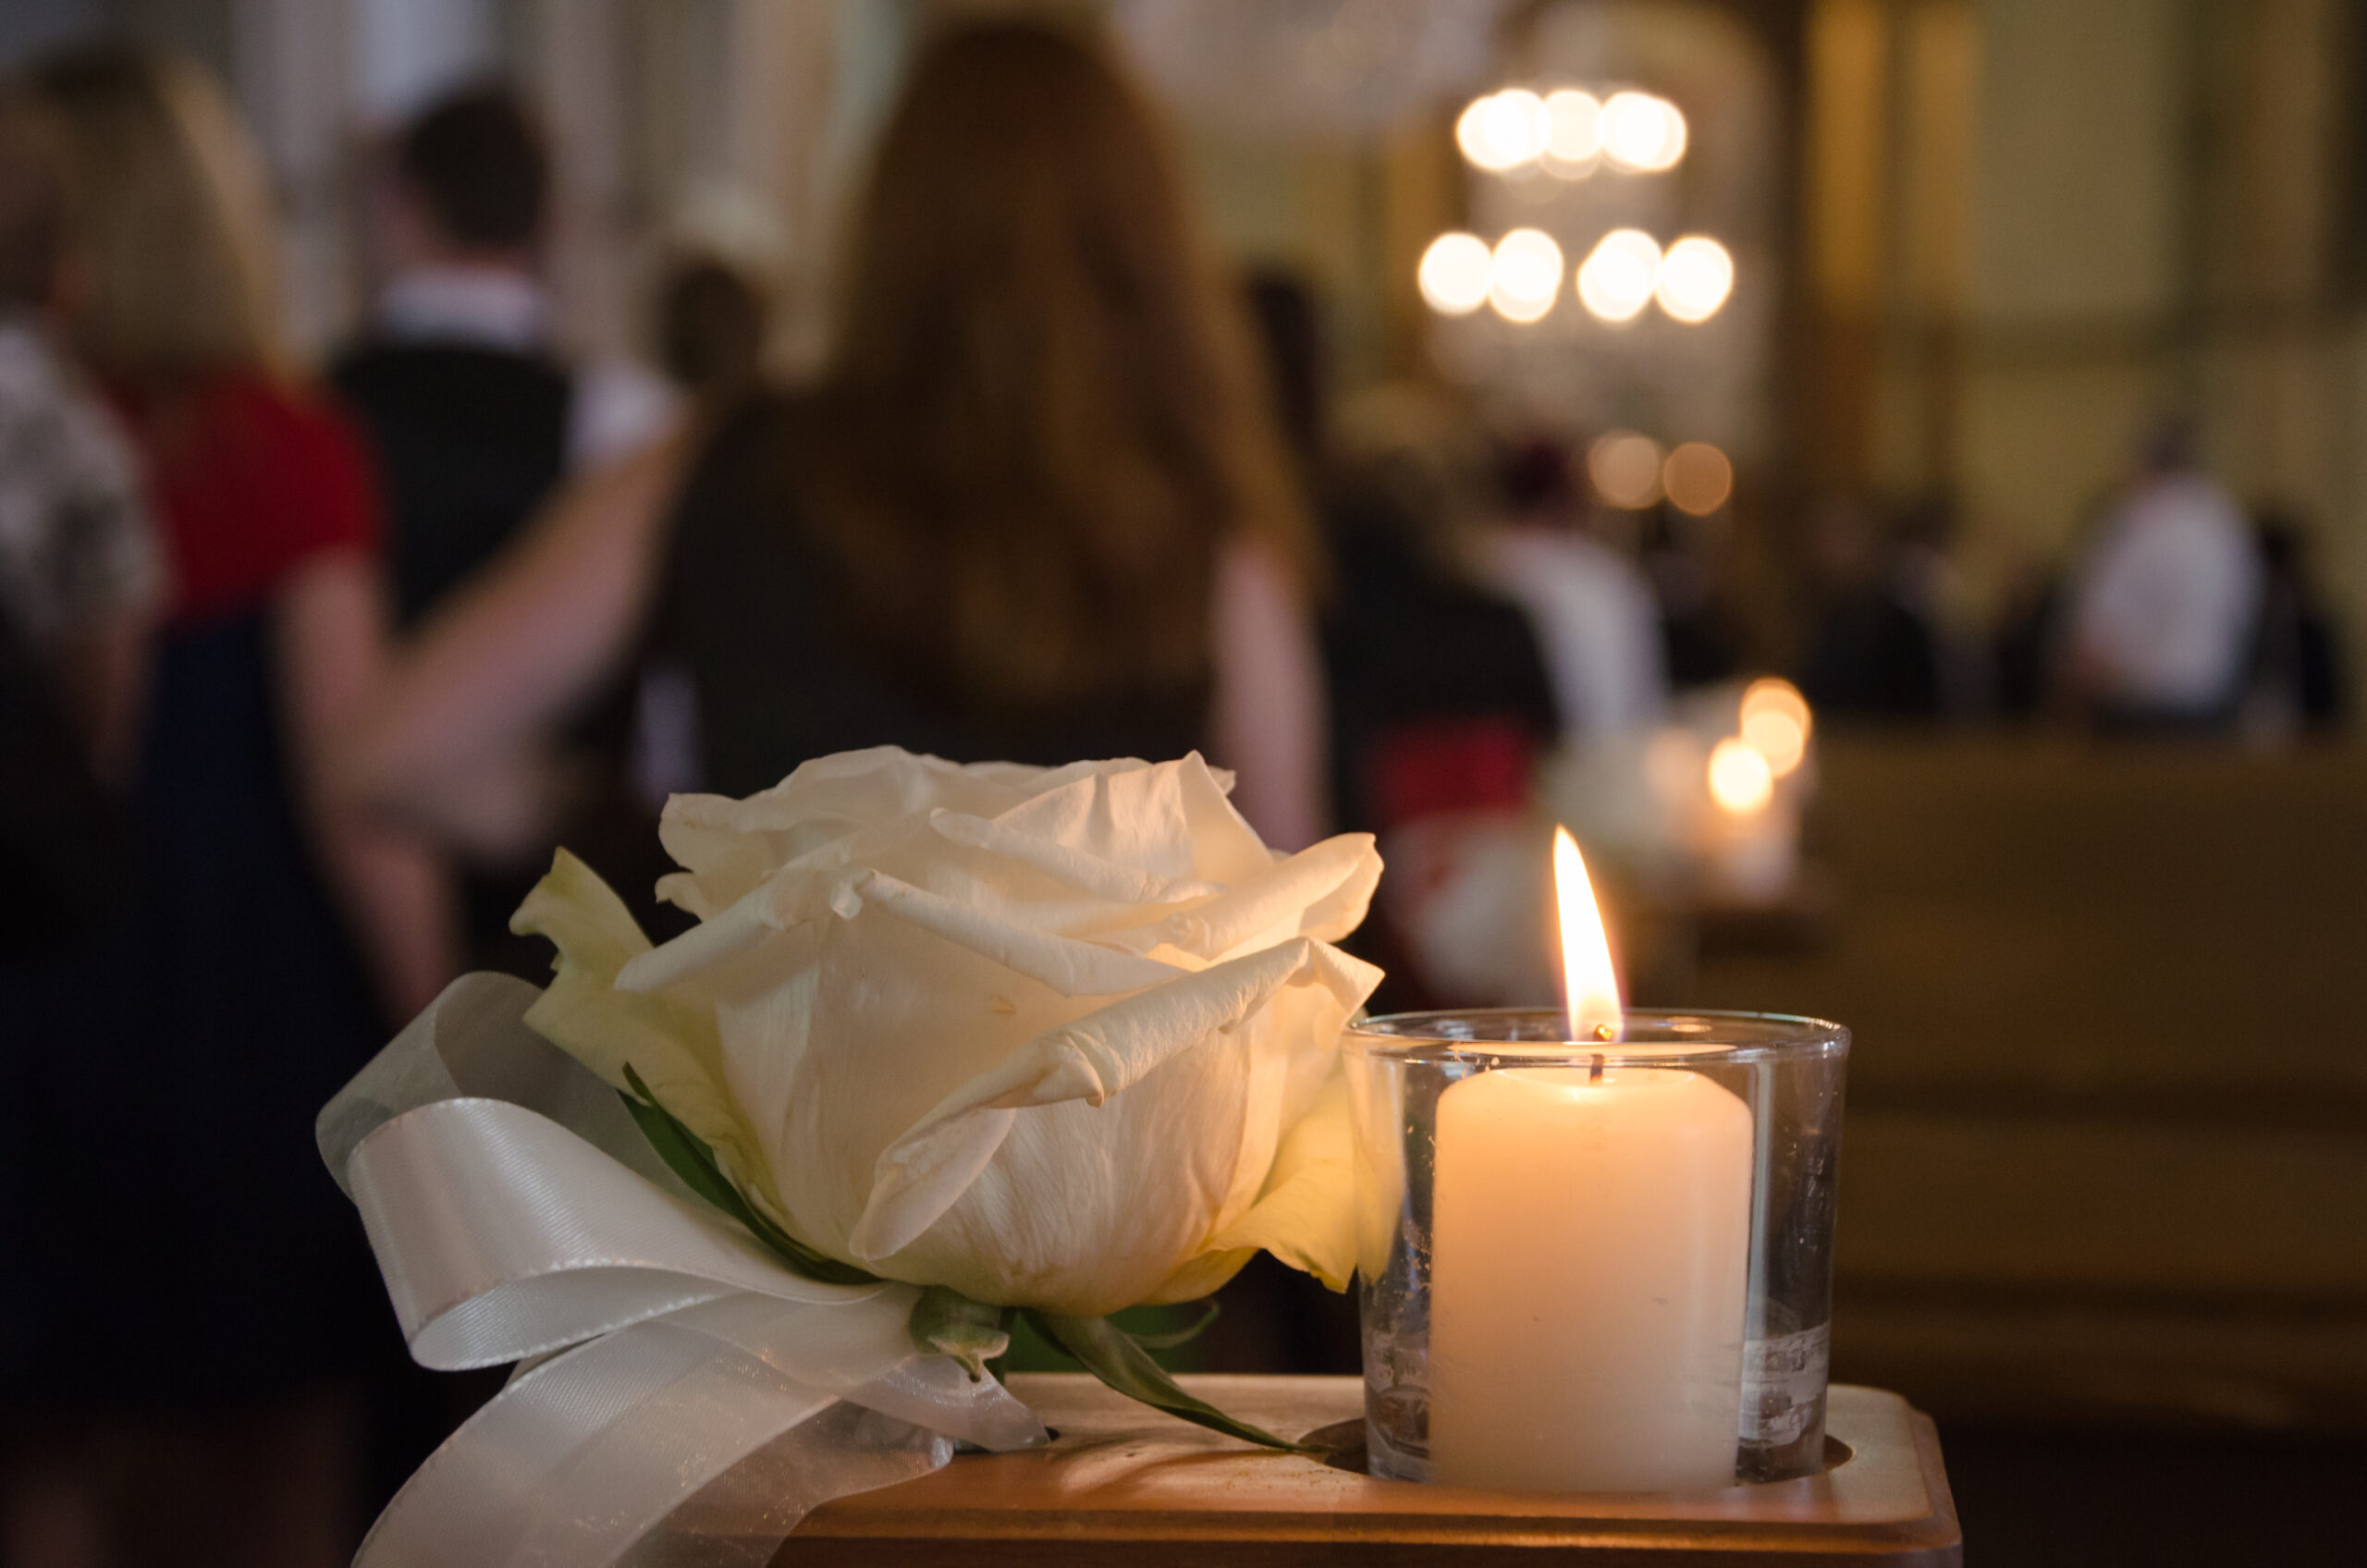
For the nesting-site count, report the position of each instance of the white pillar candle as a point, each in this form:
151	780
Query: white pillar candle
1590	1242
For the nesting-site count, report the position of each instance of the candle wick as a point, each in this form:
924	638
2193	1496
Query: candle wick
1596	1075
1602	1032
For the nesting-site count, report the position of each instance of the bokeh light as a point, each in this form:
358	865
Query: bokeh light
1775	724
1642	133
1524	276
1740	780
1502	130
1695	278
1454	273
1618	276
1698	478
1625	468
1574	132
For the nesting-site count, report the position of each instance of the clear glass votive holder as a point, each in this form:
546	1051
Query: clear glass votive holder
1595	1265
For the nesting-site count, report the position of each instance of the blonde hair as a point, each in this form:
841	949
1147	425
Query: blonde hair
169	213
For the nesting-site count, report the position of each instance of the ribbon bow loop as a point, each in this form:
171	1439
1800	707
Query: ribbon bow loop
697	1398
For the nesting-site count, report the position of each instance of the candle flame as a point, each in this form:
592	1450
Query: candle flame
1590	989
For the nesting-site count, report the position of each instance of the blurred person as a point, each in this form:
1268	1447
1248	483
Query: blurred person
1034	508
1701	639
2295	682
475	411
1592	607
167	1072
1401	484
2024	639
1442	706
2031	626
711	321
1888	637
1414	641
2163	606
474	414
80	572
1928	582
79	576
1288	319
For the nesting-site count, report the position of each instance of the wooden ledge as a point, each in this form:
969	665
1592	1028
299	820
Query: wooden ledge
1125	1485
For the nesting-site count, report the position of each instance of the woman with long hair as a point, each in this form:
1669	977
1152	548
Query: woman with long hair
216	1303
1033	509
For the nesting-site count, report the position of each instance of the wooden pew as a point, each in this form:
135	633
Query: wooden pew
2106	1149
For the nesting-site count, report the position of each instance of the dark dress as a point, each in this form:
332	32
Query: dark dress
1440	701
752	614
173	1240
1440	697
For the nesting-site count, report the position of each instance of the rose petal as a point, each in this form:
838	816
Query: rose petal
923	1173
1273	906
672	1047
1307	1217
1068	966
1088	872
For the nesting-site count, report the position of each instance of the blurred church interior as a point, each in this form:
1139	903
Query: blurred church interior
2103	1201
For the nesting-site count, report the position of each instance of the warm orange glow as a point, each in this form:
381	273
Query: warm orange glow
1775	724
1626	467
1590	989
1740	780
1698	478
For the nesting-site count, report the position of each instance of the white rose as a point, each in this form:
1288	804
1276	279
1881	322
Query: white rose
1064	1039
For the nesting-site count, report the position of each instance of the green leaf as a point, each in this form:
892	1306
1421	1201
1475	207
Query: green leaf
1111	1355
1179	1337
945	1322
687	1156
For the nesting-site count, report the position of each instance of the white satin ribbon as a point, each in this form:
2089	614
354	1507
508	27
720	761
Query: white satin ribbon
696	1398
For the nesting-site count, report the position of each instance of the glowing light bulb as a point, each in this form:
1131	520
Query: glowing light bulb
1626	467
1454	273
1698	478
1740	780
1616	281
1589	984
1642	133
1574	133
1775	724
1525	275
1502	130
1695	276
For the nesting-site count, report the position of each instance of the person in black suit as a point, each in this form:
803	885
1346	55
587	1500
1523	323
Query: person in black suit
475	415
475	412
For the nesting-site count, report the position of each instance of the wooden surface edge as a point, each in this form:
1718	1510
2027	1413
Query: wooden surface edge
931	1521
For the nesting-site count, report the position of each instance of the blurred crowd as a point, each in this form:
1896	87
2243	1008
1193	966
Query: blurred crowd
304	669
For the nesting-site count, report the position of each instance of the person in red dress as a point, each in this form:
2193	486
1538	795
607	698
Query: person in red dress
193	1400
